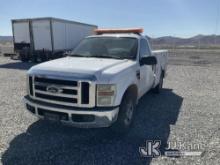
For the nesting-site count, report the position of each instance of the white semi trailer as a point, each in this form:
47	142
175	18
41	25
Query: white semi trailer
47	38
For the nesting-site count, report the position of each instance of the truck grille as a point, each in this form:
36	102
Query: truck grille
61	92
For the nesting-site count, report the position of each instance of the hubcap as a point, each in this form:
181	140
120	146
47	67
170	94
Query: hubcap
129	113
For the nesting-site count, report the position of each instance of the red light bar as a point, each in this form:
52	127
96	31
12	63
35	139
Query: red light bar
131	30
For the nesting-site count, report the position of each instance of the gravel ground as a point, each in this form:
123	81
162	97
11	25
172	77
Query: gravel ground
187	111
195	57
6	48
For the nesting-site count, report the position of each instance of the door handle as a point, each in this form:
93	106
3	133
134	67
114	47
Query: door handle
138	74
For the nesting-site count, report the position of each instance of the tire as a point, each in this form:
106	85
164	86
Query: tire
34	58
125	115
158	88
25	55
24	58
43	57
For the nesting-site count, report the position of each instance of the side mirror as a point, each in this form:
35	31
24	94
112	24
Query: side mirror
150	60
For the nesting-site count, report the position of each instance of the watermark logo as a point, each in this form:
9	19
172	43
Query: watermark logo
174	149
151	149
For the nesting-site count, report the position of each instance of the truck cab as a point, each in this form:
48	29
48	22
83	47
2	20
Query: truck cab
99	83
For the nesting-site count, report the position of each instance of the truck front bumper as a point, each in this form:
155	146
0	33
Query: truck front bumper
88	118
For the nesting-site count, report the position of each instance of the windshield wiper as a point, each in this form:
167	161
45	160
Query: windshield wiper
76	55
100	56
94	56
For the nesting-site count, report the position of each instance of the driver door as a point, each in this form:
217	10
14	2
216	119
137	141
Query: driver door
146	71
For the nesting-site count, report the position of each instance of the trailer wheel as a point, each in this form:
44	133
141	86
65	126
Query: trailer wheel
25	54
24	58
45	56
57	55
34	58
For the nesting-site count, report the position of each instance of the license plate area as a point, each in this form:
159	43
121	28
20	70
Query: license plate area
52	115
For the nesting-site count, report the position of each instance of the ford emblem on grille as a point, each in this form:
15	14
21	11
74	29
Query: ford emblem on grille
54	89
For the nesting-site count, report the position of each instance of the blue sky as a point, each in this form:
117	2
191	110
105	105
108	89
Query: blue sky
182	18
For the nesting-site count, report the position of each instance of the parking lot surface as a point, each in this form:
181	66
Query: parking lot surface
186	111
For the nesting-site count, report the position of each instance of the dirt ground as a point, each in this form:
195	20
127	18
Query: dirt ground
6	48
195	57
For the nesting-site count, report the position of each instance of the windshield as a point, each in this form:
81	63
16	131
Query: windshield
107	47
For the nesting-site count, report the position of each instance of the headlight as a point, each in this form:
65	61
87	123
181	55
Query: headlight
29	85
105	94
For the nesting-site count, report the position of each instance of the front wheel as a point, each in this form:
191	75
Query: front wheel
125	116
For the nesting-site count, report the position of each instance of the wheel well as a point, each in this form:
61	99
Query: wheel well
133	90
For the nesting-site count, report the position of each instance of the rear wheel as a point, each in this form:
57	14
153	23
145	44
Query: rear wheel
158	88
125	116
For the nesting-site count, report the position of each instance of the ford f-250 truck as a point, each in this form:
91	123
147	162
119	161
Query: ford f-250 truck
99	83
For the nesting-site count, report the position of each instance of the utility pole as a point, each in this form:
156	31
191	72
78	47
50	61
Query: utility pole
217	24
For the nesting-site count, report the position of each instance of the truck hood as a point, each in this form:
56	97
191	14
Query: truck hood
79	67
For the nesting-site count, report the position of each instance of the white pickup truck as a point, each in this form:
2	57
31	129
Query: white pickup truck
99	83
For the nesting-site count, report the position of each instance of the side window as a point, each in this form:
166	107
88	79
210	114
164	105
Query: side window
144	49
